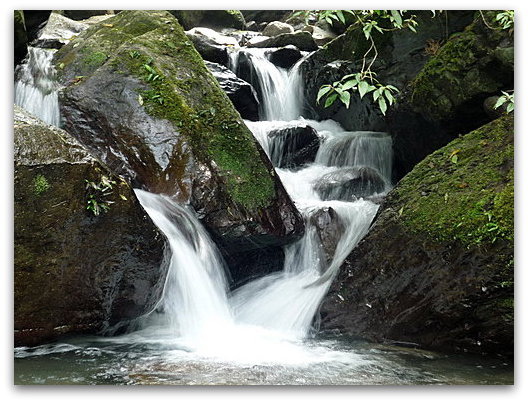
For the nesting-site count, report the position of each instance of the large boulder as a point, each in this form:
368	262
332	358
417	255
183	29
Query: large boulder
241	93
329	230
76	272
436	267
447	96
293	146
140	97
301	40
210	18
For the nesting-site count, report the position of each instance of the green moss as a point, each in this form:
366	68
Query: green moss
470	201
185	93
93	59
40	184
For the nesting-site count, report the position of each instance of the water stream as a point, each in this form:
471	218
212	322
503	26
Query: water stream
262	332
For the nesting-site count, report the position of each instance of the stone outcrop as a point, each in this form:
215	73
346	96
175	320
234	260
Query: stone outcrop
436	268
76	272
163	123
240	92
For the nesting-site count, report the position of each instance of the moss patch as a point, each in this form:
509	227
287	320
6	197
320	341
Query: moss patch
468	198
40	184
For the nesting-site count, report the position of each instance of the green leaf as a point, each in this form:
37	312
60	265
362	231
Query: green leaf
454	159
340	15
330	100
499	102
363	88
140	99
345	98
510	108
389	96
382	105
366	30
397	18
376	94
349	84
322	91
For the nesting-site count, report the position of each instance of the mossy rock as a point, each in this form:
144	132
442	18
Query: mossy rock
436	267
163	121
76	272
471	66
210	18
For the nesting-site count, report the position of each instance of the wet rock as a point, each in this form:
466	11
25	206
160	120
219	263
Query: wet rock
275	28
292	147
173	131
329	229
76	272
58	31
265	16
284	57
300	39
211	45
241	93
348	184
429	271
210	18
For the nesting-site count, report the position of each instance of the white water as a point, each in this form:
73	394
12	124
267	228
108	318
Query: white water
36	89
281	90
266	320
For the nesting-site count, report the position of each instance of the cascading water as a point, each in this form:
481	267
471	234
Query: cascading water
36	89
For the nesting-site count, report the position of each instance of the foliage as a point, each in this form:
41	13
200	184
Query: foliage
98	193
40	184
365	81
508	100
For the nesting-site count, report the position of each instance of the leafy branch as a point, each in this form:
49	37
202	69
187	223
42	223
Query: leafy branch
364	81
97	195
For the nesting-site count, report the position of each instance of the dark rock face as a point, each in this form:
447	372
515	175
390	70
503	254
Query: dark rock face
35	21
250	265
175	131
76	272
435	269
241	93
301	39
20	35
447	96
293	146
210	18
84	14
329	229
348	184
260	16
284	57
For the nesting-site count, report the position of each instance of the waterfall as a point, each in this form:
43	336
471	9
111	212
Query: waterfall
282	305
36	89
280	90
195	299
